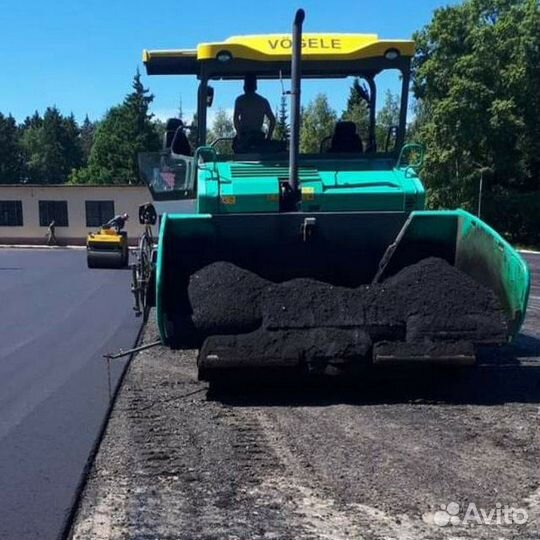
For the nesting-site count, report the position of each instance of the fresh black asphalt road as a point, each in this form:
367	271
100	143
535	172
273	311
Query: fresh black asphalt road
57	319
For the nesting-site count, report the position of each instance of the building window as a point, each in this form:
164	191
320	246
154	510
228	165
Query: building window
98	212
11	214
53	211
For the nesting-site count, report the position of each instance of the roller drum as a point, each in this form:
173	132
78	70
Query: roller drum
106	259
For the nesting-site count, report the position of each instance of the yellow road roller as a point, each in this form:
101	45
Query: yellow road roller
107	248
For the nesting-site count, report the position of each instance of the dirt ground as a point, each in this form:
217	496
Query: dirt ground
395	455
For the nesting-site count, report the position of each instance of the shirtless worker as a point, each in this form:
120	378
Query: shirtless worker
250	109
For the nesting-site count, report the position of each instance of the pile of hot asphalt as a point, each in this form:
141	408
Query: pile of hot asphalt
304	320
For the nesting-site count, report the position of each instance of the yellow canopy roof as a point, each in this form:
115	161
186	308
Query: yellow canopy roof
272	47
277	47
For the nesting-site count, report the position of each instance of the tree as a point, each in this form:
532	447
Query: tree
10	151
88	132
51	147
222	126
282	131
192	133
160	127
318	121
476	75
126	130
72	144
33	121
387	117
357	110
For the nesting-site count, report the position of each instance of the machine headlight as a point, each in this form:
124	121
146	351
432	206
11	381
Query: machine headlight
391	54
224	56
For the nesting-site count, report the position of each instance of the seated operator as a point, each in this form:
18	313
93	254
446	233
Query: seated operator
249	111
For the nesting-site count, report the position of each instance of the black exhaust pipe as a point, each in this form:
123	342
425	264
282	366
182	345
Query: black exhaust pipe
296	76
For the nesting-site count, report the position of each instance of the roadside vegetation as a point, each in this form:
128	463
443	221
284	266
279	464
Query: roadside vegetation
476	109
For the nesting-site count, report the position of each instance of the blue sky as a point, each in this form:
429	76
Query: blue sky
80	55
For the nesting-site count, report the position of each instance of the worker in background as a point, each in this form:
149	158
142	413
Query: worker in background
117	222
51	234
250	110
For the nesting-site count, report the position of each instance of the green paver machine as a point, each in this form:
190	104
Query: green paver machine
343	215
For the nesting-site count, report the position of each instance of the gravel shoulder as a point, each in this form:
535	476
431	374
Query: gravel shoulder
374	458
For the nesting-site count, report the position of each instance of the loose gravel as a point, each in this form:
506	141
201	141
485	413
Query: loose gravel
372	459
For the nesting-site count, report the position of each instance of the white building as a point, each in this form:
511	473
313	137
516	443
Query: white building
27	210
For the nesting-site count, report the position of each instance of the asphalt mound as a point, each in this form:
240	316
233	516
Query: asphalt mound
431	301
225	299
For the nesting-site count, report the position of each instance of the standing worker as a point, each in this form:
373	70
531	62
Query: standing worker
117	222
51	234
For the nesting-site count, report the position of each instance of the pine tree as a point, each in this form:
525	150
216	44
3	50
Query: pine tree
33	121
88	131
356	93
282	131
126	130
72	144
51	146
357	110
10	151
138	101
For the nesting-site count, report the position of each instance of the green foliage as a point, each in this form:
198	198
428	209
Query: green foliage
222	126
159	126
88	131
318	121
282	131
192	133
51	147
126	130
514	214
33	121
387	117
477	78
357	110
10	151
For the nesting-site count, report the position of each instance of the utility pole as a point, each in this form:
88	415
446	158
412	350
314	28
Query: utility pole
481	169
480	187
